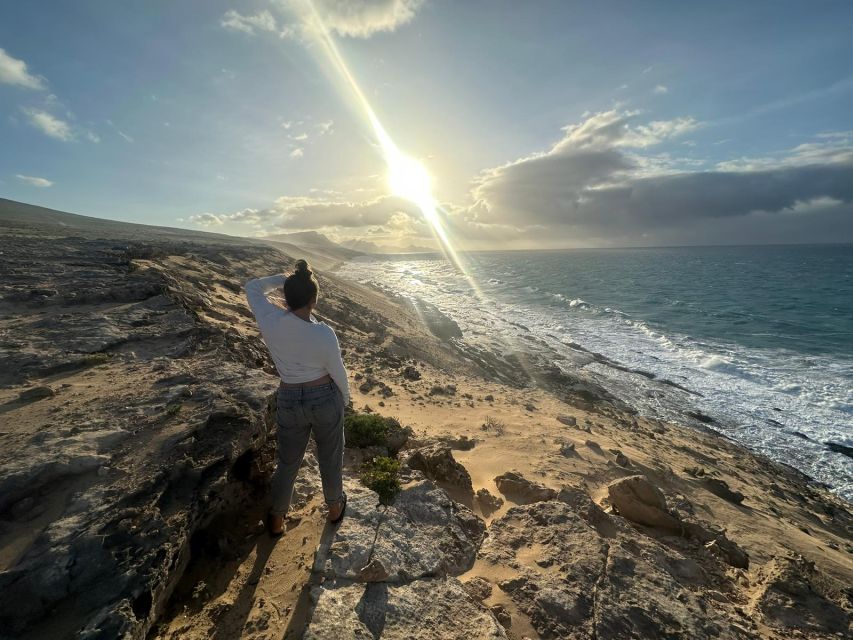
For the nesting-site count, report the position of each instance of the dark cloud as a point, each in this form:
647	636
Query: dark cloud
594	184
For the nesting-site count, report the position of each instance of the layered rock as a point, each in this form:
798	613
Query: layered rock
158	421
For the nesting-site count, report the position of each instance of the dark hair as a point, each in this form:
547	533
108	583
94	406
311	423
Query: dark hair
300	287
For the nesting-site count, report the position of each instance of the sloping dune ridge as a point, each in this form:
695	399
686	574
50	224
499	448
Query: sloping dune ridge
137	442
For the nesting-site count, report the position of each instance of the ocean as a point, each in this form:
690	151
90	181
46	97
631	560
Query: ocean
762	334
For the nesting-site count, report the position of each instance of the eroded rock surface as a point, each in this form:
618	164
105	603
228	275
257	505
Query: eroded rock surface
388	570
593	577
791	594
429	609
423	533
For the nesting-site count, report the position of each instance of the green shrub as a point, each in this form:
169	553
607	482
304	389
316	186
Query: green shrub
382	476
365	430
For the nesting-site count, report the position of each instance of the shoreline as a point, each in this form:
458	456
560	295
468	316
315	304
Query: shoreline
634	385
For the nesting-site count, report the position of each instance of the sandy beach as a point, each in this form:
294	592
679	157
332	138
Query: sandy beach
137	442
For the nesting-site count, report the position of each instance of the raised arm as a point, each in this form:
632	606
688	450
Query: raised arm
335	365
256	295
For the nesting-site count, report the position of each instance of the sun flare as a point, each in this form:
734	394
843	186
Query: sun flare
409	179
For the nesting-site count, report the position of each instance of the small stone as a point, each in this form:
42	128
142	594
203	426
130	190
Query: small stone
375	571
569	421
478	588
502	615
567	449
487	502
37	393
410	373
621	458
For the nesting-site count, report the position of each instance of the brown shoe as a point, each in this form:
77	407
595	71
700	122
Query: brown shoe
336	511
275	525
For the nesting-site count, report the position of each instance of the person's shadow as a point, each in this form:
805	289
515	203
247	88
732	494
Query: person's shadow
245	600
304	608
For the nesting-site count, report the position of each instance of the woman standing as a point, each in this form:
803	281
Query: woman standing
313	391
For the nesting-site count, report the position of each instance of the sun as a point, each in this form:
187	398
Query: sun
409	179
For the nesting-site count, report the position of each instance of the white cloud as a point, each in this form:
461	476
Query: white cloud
387	213
297	153
261	21
830	148
14	71
49	124
660	89
325	127
35	181
352	18
91	136
299	136
614	128
363	18
206	219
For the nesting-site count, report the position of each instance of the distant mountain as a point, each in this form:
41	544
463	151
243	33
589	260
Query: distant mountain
371	247
305	238
18	217
316	240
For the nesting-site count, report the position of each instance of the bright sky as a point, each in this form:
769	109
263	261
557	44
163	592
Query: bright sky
542	124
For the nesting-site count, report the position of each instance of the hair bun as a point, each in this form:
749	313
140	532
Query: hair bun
302	269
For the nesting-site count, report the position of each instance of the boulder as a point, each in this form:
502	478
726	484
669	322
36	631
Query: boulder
438	464
521	490
638	500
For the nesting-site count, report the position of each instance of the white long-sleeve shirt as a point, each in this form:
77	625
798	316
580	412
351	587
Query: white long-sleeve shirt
302	351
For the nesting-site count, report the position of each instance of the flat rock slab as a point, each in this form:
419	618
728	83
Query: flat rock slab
423	533
428	609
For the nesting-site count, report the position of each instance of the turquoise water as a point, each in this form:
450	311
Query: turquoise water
764	334
798	298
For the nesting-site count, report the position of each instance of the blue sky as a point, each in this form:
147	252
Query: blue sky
227	116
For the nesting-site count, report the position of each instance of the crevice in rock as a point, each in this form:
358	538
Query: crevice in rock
602	578
375	537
